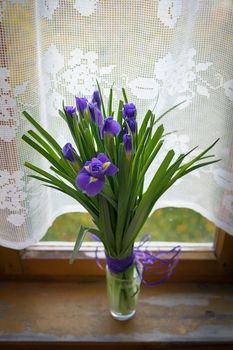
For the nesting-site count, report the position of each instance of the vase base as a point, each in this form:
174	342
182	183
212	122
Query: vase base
121	317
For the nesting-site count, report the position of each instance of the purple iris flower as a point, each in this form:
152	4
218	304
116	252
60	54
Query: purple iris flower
110	126
81	103
132	125
91	178
96	98
95	113
129	111
70	110
127	142
68	152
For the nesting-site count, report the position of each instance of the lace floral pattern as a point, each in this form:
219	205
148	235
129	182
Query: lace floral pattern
178	76
169	11
86	8
12	196
8	119
83	65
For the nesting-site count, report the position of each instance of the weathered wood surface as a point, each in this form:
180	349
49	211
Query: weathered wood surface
77	313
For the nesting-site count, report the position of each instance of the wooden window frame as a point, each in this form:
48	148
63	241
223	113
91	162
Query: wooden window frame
50	262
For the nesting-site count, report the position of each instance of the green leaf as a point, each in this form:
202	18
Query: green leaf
110	103
119	113
40	178
140	147
62	114
194	160
154	140
147	201
201	165
111	201
64	175
124	95
144	124
43	132
101	98
96	134
139	168
108	194
44	144
78	141
42	152
85	201
140	178
82	232
90	144
105	223
123	196
169	110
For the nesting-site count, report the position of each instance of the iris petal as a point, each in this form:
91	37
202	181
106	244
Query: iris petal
81	103
110	126
127	142
91	178
95	113
106	165
82	180
94	187
132	125
96	98
111	170
103	158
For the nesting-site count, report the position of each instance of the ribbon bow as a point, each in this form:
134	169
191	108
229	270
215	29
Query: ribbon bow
161	263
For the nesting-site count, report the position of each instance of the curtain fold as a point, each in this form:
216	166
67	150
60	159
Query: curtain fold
159	50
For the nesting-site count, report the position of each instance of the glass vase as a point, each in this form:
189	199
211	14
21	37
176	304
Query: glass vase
123	291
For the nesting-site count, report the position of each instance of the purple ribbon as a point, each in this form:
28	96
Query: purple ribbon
119	265
161	264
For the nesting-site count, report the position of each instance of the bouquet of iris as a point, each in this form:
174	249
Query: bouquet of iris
104	170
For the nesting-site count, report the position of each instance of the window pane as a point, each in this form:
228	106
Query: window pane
167	224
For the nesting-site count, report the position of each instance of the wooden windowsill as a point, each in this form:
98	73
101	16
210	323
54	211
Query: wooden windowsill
61	315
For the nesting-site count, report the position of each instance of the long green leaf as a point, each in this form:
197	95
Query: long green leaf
62	114
110	103
101	98
144	124
194	160
124	95
90	143
169	110
201	165
82	232
109	199
143	209
44	144
78	141
123	196
154	140
139	172
64	175
119	113
43	132
42	152
86	202
105	223
96	134
60	160
140	179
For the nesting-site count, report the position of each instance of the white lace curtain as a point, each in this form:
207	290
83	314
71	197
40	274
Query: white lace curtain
54	49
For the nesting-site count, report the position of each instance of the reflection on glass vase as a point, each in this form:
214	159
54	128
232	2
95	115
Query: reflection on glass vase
123	291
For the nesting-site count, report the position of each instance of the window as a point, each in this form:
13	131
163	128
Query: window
50	261
166	225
